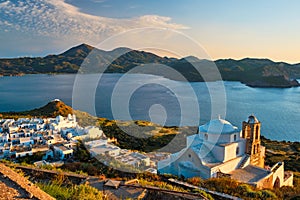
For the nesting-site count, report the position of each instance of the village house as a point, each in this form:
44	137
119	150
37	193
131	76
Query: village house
21	151
105	149
61	122
62	152
26	141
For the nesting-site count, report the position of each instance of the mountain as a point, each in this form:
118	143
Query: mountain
52	109
87	59
259	72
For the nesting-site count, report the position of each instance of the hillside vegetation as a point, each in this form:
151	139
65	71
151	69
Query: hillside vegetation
278	151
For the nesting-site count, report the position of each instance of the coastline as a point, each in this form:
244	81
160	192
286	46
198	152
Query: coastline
255	84
46	111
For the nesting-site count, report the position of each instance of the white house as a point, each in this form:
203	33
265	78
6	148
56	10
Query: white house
89	133
143	159
12	129
104	149
23	154
63	152
4	137
95	143
64	122
7	123
68	132
50	140
26	141
22	151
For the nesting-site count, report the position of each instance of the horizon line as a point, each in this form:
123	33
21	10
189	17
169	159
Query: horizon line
213	59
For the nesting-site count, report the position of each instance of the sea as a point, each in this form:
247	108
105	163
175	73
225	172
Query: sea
160	100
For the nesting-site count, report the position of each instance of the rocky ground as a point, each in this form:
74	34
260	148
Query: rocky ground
9	190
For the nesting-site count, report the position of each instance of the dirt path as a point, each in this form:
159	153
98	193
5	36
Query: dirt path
9	190
15	186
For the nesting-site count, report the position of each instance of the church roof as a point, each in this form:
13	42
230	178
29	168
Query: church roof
204	154
218	126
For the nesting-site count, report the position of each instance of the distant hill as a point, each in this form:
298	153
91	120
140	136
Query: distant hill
259	72
53	109
251	71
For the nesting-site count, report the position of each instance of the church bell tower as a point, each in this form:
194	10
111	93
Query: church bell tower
251	132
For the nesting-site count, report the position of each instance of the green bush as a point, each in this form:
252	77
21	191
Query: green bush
85	192
267	194
72	192
197	181
253	195
57	191
203	193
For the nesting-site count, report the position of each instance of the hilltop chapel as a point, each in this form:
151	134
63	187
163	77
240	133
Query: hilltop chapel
220	149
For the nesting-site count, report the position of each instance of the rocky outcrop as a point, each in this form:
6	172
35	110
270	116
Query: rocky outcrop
274	82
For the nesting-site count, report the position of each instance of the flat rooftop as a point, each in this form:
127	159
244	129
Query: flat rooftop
249	174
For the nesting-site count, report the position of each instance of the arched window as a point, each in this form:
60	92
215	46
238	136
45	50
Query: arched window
257	148
237	150
257	132
277	183
206	136
234	138
254	149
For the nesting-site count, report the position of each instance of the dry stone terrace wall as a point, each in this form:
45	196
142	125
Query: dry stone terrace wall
18	186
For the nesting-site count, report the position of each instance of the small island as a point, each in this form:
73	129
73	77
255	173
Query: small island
274	82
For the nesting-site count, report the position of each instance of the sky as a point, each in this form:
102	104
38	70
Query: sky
223	29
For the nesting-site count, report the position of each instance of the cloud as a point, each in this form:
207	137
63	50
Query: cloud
98	1
61	21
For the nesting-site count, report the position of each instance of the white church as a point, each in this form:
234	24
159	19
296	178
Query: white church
221	149
61	122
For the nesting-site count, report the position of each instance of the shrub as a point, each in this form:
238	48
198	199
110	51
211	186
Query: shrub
85	192
253	194
225	185
267	194
197	181
56	190
72	192
204	194
244	188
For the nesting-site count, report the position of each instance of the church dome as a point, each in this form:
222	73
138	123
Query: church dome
252	120
218	126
